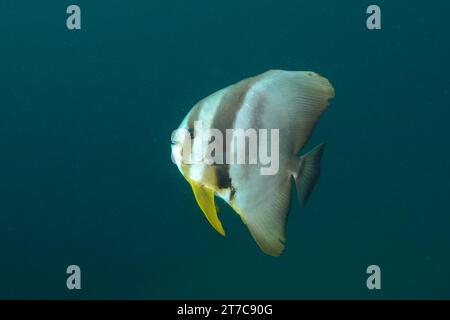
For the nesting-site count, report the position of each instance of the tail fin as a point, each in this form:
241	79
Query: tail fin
308	173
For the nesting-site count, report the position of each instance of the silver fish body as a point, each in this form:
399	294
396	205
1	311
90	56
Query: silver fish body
289	102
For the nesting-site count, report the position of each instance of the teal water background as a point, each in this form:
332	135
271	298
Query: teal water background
85	170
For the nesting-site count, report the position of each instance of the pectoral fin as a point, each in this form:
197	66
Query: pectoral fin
205	200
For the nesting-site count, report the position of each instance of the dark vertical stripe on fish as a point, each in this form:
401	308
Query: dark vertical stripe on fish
224	119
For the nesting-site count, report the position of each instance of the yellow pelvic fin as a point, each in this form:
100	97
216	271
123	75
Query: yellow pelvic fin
205	200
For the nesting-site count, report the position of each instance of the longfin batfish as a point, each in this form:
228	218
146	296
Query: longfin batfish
289	101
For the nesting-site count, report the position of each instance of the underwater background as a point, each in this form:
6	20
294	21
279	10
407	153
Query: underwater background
86	176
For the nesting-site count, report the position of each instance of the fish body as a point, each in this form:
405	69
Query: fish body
286	104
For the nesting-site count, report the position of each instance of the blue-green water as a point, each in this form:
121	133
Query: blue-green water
85	170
